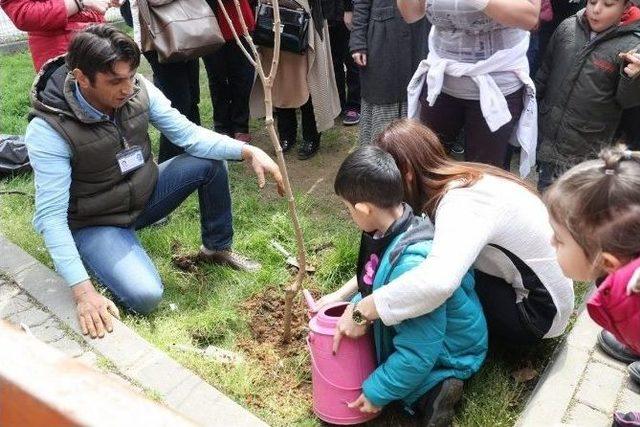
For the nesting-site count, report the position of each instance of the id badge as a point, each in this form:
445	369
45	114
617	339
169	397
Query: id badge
130	159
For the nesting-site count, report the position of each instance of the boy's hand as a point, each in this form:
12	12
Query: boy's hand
363	404
633	287
632	63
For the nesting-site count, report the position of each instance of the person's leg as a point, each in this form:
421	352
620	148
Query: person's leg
310	135
504	319
445	118
179	82
338	40
437	406
353	81
241	76
287	127
217	66
116	258
181	176
484	146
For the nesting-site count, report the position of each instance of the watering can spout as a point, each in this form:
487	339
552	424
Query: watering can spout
309	300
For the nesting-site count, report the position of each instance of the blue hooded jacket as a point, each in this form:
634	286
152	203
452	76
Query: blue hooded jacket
418	353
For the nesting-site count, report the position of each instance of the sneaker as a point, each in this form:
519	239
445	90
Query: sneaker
630	419
611	346
436	407
228	258
634	372
351	117
286	144
243	137
308	149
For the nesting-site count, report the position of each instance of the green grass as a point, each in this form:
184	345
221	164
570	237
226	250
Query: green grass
210	301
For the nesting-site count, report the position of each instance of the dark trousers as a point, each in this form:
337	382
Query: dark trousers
450	115
230	81
288	123
349	95
504	319
180	83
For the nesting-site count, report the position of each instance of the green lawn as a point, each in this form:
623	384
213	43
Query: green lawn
211	302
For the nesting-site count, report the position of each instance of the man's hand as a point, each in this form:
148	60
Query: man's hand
347	328
348	20
94	310
360	58
632	63
363	404
99	6
260	163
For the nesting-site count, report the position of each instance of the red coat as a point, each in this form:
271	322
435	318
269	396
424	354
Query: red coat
247	14
47	25
614	310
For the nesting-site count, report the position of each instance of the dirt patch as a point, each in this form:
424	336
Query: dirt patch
267	322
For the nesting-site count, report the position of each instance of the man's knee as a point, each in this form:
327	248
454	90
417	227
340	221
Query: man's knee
146	297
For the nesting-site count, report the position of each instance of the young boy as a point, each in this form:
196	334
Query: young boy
422	361
588	78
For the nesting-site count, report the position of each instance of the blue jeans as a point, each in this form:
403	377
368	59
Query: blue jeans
114	254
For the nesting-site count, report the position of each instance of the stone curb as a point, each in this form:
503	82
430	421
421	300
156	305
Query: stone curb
179	388
554	392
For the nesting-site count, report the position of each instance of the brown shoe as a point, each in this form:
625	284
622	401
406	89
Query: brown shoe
230	259
244	137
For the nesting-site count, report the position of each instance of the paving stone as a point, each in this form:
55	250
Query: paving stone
31	317
8	291
600	356
629	398
68	346
15	305
584	416
552	395
600	386
49	331
89	358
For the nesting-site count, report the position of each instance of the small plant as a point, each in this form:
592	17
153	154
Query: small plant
267	80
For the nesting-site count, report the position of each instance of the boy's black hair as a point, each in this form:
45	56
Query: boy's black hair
97	48
370	174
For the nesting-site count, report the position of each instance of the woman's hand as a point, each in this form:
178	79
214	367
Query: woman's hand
360	58
348	20
363	404
99	6
347	328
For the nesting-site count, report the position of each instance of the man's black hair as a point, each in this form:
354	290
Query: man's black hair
370	174
97	48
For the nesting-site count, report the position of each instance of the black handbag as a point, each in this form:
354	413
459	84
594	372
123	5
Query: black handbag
295	28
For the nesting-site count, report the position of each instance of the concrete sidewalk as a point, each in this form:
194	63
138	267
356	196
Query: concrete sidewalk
35	297
581	386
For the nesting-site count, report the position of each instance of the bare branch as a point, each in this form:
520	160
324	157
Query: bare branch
277	30
235	33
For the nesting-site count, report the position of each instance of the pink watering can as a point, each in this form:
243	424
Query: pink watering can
337	379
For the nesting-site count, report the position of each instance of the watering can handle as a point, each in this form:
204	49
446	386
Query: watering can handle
315	365
309	299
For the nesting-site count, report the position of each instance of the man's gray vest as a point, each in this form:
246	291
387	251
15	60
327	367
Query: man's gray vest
99	193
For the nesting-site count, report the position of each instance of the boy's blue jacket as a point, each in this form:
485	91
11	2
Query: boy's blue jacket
418	353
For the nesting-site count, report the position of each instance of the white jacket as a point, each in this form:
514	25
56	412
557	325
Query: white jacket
492	102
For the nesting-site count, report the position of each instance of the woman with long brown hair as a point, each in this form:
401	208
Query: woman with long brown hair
484	218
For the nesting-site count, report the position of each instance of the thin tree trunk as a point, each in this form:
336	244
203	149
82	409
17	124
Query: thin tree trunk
267	84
